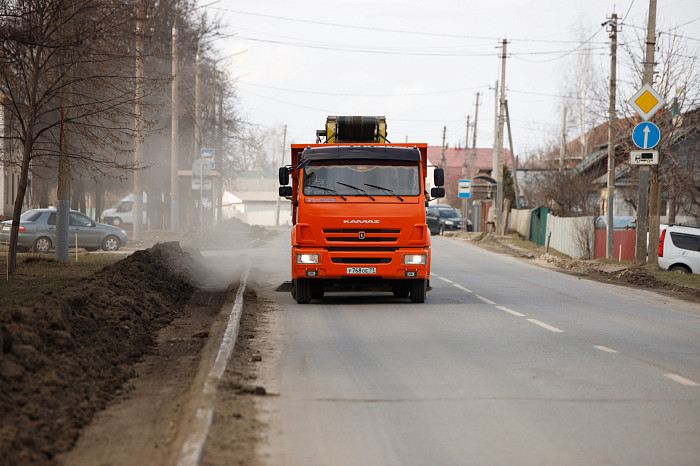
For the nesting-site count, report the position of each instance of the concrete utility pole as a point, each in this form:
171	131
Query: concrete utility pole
640	256
219	152
562	142
611	138
138	112
513	160
197	104
500	227
443	163
284	144
472	160
465	171
655	188
494	170
174	138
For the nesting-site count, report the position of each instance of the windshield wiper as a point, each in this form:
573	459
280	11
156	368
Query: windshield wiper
357	189
386	190
327	189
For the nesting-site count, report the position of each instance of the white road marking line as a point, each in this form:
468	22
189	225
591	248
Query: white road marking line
605	349
434	275
543	325
462	288
681	380
510	311
445	280
192	448
487	301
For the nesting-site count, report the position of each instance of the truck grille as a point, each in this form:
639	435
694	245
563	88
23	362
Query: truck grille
361	260
352	235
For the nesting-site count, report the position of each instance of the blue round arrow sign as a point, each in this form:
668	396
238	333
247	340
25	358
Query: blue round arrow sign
646	135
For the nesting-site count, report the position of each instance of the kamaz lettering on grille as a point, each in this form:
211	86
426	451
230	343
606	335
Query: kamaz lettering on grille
360	221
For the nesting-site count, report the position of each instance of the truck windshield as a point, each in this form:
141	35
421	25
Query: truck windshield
374	179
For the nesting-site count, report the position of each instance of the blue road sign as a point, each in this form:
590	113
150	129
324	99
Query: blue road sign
464	188
646	135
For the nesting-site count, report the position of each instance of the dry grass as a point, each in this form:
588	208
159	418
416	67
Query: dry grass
38	274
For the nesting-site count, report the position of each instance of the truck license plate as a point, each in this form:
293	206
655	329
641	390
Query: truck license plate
361	270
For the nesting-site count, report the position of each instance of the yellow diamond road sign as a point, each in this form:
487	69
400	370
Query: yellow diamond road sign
646	102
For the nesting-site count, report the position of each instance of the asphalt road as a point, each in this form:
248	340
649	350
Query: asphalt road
506	363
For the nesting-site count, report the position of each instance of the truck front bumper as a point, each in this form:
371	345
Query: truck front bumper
402	264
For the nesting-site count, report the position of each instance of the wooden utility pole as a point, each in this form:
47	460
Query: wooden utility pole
640	256
611	138
500	227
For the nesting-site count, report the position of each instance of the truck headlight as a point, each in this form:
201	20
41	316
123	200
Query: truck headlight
307	258
449	222
414	259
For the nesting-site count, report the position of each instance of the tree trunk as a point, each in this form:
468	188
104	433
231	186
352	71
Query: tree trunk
19	200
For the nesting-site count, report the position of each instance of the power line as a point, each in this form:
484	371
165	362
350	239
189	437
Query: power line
340	94
347	48
377	29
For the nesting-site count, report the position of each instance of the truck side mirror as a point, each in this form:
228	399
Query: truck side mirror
284	176
285	191
437	192
439	178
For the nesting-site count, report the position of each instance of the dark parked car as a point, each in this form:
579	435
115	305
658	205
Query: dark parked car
37	231
441	218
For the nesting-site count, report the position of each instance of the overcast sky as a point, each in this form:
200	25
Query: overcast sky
421	63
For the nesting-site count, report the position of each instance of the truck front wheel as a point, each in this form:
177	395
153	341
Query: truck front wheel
418	290
302	290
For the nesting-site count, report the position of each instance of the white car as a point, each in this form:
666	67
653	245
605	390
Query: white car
123	212
679	249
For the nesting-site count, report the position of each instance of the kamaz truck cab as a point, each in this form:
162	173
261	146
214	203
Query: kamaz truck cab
358	212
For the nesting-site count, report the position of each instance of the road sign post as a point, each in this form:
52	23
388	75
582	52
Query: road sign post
646	102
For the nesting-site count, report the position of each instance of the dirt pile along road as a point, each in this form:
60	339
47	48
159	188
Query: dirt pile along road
63	357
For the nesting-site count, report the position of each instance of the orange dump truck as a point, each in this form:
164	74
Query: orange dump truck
358	211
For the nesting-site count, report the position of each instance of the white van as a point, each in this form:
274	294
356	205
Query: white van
123	211
679	249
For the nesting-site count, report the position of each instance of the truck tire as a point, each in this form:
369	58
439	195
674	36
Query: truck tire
418	290
303	290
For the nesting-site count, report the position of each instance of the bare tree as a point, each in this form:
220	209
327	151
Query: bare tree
678	82
567	193
66	69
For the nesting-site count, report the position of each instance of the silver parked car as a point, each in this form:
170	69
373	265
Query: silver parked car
37	231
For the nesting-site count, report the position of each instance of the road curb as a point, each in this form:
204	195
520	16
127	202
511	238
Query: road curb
193	446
